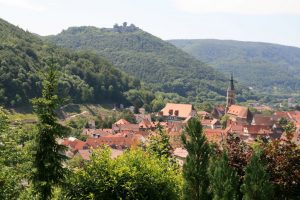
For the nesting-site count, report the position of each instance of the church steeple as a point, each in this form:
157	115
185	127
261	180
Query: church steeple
230	100
231	82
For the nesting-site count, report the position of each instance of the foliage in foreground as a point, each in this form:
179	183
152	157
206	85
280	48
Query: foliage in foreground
223	179
195	169
133	175
49	156
257	183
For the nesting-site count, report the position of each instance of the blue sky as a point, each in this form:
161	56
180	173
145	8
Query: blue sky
276	21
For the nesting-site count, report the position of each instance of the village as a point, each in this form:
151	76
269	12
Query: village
217	125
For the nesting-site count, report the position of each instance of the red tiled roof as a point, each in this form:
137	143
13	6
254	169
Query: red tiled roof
258	129
206	122
145	124
281	114
74	144
263	120
214	135
239	111
101	132
180	110
119	139
122	122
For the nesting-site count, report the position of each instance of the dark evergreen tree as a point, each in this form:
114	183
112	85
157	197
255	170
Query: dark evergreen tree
257	185
49	156
222	178
195	168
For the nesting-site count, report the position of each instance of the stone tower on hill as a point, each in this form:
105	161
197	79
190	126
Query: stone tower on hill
230	100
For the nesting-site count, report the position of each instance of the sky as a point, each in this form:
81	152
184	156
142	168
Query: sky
275	21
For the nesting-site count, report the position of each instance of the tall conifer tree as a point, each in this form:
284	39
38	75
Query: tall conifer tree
222	178
49	156
257	185
195	167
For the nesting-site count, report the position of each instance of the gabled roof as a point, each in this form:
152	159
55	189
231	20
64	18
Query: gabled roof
214	135
180	110
259	119
74	144
258	129
209	122
206	122
122	122
145	124
239	111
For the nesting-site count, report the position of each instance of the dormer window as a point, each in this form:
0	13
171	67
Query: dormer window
176	112
171	112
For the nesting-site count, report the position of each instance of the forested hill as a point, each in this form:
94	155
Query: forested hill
263	66
86	77
150	59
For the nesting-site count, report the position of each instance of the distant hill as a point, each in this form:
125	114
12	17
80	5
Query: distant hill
158	63
86	77
268	68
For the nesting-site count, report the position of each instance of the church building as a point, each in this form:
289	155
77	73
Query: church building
230	99
237	114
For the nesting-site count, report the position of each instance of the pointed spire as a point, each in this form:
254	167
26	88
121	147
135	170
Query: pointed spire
231	82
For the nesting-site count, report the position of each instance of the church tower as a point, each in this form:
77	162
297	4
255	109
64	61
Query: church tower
230	100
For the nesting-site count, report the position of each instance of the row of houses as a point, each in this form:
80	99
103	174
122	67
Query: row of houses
123	134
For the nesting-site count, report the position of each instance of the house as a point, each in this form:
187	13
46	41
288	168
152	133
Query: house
249	133
124	125
177	112
254	131
121	122
74	144
204	115
211	123
259	119
146	125
141	117
116	141
215	135
180	154
218	111
239	114
96	133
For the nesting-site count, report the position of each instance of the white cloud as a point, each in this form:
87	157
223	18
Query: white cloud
25	4
260	7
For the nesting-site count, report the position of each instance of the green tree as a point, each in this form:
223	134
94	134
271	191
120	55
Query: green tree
160	144
195	167
133	175
8	183
283	121
257	185
14	158
289	130
127	115
222	178
224	120
49	156
283	161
